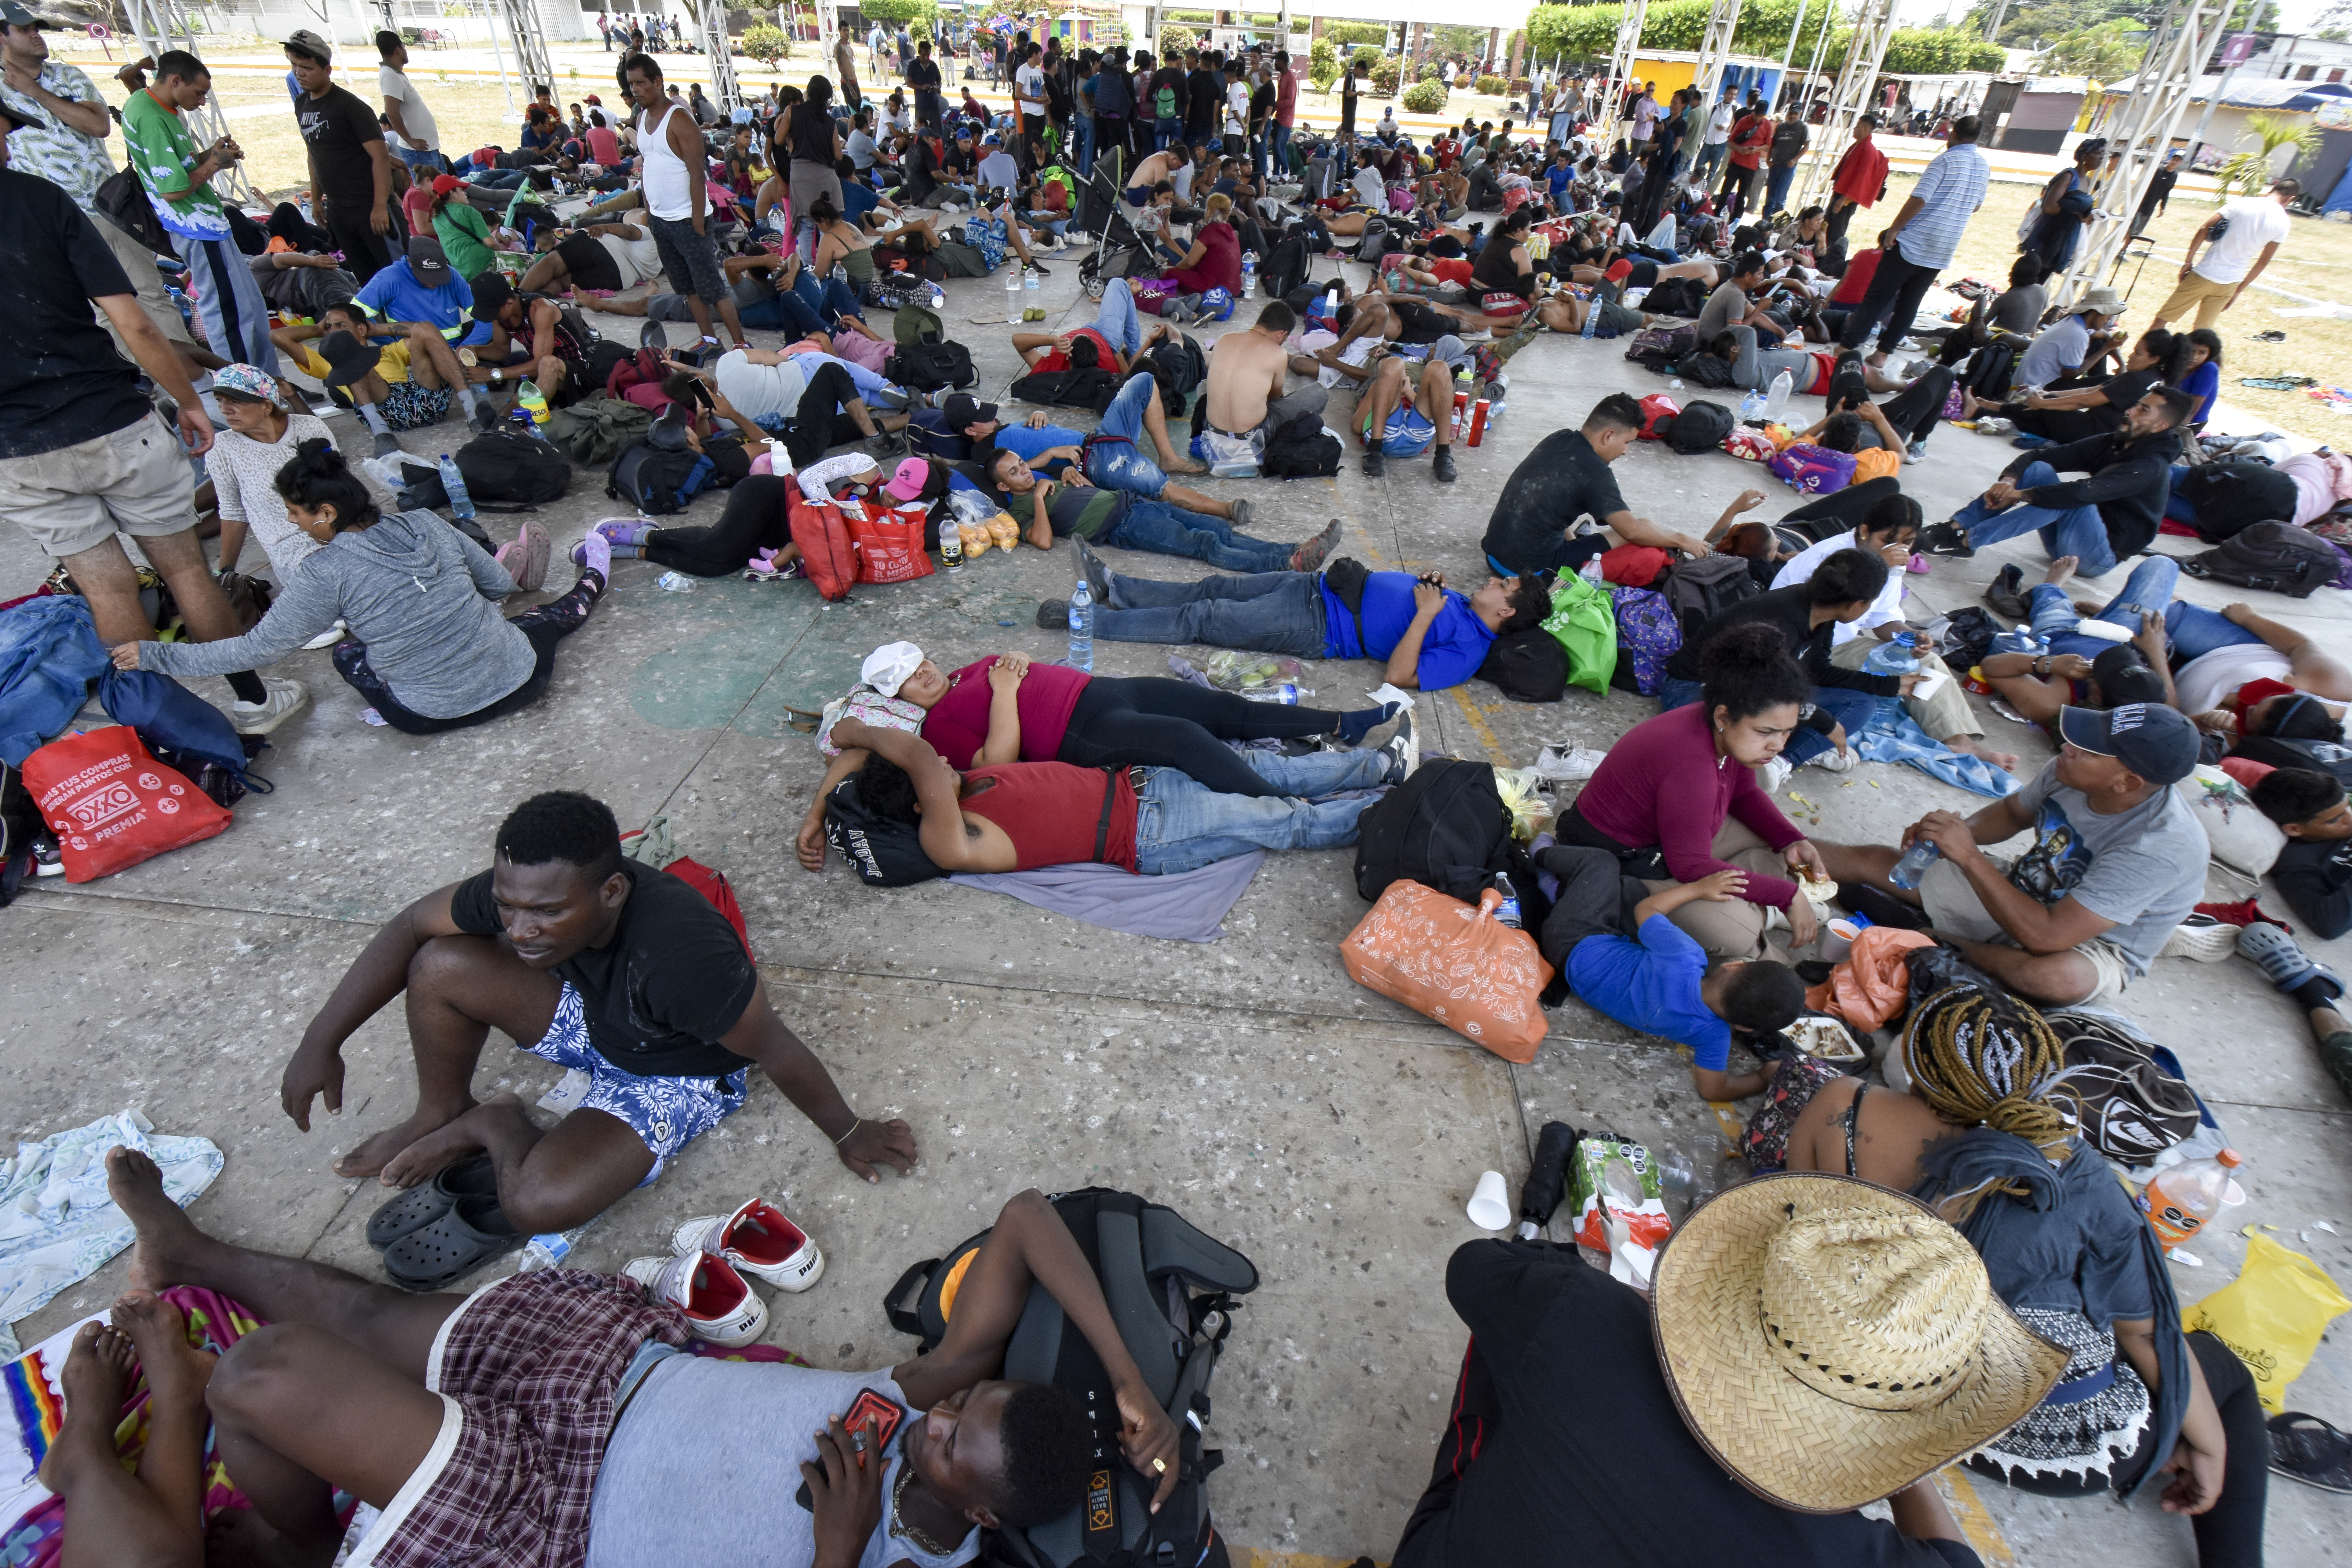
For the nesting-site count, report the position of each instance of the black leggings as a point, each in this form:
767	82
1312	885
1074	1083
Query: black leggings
542	627
1155	722
1915	410
2066	425
2229	1534
756	519
822	420
1840	511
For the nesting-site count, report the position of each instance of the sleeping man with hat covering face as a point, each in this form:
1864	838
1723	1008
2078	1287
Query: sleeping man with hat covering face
398	376
1809	1344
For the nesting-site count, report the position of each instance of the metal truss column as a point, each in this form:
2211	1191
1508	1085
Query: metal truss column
710	19
161	24
1715	48
1621	67
1849	101
520	19
2159	100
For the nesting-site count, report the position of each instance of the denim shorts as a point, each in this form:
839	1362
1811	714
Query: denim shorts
668	1113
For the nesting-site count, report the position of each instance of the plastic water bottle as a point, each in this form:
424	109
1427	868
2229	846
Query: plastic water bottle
1910	870
1249	274
1012	298
1030	287
1082	627
675	583
1751	407
548	1251
952	545
1332	302
454	483
1507	911
1593	316
1776	403
2178	1201
939	298
1591	571
1898	655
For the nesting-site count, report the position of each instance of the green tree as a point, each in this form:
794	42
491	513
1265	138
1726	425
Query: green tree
1174	41
1385	71
1468	42
766	43
1371	33
2250	170
895	12
2108	51
1323	71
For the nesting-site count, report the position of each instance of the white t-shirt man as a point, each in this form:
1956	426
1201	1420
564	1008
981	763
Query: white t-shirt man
762	391
2254	222
1237	97
1000	171
639	259
1645	115
1888	607
1029	87
1718	124
2205	680
422	134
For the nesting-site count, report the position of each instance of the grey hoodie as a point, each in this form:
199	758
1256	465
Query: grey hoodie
421	595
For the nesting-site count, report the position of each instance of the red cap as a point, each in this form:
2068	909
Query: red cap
444	184
1619	270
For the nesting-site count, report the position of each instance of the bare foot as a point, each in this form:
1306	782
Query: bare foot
98	1369
240	1537
1185	466
429	1155
167	1238
372	1155
177	1371
2062	571
1972	746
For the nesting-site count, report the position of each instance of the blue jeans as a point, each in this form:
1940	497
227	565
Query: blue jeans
1775	188
421	158
2190	630
2178	507
1181	824
1852	708
1279	141
1125	465
1085	162
1159	529
2075	531
1167	133
1270	612
827	300
1710	158
1118	320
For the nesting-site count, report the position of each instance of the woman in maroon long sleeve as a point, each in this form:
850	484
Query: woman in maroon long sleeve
1676	799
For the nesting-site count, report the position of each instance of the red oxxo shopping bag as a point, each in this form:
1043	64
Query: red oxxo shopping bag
112	805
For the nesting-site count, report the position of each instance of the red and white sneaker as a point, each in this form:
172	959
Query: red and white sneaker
719	1306
760	1241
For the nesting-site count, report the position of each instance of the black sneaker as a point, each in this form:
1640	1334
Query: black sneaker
1054	615
653	335
484	418
1376	463
1547	1182
387	445
1441	466
1097	575
1947	538
48	859
2305	1448
2007	593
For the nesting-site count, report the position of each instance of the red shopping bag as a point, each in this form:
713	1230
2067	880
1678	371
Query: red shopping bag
822	534
889	543
112	805
1461	966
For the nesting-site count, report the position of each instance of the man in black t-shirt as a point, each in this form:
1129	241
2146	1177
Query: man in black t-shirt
923	76
1566	478
351	167
594	962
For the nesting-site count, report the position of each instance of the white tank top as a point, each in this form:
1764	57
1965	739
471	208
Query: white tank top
667	195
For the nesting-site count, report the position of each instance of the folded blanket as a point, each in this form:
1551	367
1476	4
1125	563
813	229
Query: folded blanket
1187	907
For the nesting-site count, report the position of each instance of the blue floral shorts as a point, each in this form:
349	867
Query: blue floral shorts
668	1113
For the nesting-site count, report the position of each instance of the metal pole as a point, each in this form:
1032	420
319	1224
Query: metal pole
1874	25
1791	52
2205	120
499	53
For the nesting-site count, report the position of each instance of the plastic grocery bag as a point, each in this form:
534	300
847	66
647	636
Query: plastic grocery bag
1522	791
2271	1315
112	805
1585	623
1611	1179
1461	966
1246	672
1871	984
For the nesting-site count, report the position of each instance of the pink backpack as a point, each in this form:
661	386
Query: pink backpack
1814	470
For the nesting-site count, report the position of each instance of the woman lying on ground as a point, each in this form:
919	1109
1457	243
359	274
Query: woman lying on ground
1982	1138
429	649
1005	708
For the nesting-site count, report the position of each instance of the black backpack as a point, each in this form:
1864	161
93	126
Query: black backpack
1170	1290
2234	492
1300	449
1186	366
1699	427
1676	297
1704	369
1989	370
1698	591
1066	388
651	478
1445	827
506	465
2269	554
1529	664
883	853
932	367
1285	266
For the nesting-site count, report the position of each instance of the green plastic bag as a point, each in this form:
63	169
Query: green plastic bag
1585	623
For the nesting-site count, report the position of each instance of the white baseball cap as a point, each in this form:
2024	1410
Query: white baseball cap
887	668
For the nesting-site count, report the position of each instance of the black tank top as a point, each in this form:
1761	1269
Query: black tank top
812	135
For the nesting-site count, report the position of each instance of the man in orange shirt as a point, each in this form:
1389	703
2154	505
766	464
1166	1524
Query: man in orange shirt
1860	179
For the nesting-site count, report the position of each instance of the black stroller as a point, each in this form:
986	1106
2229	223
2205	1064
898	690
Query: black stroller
1120	251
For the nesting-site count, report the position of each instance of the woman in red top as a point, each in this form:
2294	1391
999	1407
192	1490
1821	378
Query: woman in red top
1677	798
1215	260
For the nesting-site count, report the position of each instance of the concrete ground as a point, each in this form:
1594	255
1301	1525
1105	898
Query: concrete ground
1327	1132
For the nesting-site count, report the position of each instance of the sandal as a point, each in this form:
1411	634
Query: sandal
421	1206
2305	1448
802	720
436	1255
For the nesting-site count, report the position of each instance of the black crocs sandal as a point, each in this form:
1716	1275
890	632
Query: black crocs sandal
436	1255
422	1204
2305	1448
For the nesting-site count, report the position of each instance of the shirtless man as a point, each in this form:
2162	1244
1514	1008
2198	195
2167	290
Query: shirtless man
1248	372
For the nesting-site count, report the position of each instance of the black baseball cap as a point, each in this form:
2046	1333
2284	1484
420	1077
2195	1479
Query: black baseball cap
964	411
492	293
15	15
2156	743
348	358
2123	676
429	262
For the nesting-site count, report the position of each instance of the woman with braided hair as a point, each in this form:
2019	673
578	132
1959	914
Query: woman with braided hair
1983	1138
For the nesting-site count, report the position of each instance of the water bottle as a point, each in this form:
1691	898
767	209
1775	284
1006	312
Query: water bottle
1012	298
675	583
1286	692
952	545
1678	1178
549	1251
1591	571
2024	639
1082	627
1593	316
1249	274
1913	867
1029	285
939	298
1776	403
1898	657
519	417
1331	303
1507	911
454	483
1751	407
2180	1200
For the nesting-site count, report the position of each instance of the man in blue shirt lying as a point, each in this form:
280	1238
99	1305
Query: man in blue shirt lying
1609	935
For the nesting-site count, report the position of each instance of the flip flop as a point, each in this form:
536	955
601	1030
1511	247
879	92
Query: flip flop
2305	1448
421	1206
802	720
436	1255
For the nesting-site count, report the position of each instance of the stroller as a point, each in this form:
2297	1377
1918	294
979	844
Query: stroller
1120	251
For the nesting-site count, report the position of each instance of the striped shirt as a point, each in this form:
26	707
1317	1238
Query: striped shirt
1949	191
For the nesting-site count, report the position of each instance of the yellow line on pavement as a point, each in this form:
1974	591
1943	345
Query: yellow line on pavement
1479	727
1259	1557
1976	1523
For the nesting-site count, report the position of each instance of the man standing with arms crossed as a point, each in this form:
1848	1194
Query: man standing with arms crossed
1920	241
350	167
1859	181
670	148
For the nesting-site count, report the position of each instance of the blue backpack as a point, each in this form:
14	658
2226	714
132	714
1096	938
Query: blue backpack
181	731
1647	636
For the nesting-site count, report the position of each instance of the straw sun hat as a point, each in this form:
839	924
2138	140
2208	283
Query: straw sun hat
1831	1342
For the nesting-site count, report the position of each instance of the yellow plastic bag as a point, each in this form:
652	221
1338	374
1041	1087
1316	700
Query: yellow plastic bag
2271	1315
1522	791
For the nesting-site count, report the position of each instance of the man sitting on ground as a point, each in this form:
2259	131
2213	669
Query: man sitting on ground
2117	862
398	375
1248	372
1534	527
531	344
595	962
1019	817
1430	635
1402	416
482	1425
